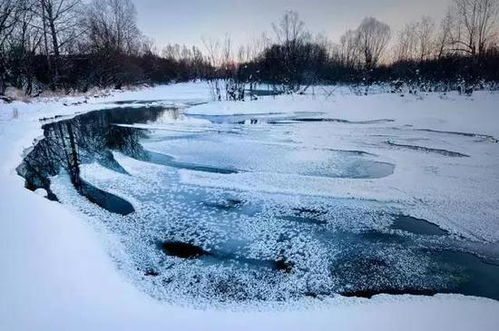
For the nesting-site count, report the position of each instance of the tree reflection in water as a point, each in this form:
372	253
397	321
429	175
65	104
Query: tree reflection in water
85	139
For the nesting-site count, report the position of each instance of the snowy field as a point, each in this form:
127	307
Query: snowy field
275	192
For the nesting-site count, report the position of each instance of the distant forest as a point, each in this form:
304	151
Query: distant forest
75	45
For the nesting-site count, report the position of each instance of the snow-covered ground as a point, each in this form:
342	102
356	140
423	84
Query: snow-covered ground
57	272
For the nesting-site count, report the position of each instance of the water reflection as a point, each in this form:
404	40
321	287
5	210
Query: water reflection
85	139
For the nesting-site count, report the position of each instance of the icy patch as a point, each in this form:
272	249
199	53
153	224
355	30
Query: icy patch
338	120
251	155
480	137
428	150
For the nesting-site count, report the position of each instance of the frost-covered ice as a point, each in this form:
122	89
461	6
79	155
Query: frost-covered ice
293	199
457	193
215	182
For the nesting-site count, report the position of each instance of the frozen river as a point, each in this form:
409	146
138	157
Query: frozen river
212	208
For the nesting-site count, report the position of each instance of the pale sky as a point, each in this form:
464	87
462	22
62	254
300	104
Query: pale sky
187	21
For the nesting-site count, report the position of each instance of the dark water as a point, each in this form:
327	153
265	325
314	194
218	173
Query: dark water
106	200
417	226
478	136
474	275
169	161
339	120
262	93
85	139
443	152
191	251
270	247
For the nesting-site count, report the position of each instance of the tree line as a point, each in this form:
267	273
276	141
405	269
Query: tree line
461	49
76	45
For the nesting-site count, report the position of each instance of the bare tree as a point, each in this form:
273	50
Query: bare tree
112	25
54	20
443	39
60	18
290	29
373	37
290	32
220	56
8	13
291	36
405	47
425	38
227	60
474	25
348	50
215	58
212	48
20	38
191	56
416	40
253	49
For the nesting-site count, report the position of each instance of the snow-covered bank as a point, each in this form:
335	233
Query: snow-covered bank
56	274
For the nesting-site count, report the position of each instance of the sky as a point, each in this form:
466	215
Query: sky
189	21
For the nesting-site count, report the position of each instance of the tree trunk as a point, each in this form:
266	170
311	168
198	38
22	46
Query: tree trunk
55	41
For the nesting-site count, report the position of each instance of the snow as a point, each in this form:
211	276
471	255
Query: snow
58	272
458	194
434	110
